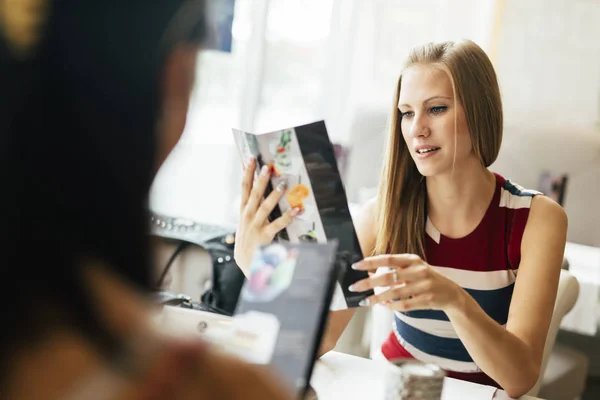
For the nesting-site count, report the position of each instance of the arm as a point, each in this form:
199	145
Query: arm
513	356
366	230
336	324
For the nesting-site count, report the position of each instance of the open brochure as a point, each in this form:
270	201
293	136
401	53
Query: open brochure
282	310
303	157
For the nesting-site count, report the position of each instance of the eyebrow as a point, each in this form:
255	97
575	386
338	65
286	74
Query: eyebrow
428	100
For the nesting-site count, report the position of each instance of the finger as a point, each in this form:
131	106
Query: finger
417	302
281	223
404	275
397	298
258	191
247	181
403	292
387	260
381	280
270	202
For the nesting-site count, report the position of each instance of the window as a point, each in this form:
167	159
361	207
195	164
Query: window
293	62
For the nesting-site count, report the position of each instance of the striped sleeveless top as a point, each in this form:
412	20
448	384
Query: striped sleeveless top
485	264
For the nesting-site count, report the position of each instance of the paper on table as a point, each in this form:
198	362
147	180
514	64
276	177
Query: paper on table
340	376
455	389
584	264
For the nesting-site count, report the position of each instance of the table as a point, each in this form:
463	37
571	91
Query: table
345	377
336	376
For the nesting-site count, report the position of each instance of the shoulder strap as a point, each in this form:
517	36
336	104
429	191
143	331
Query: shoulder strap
508	228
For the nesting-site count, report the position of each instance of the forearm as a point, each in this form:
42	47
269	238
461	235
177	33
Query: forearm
325	347
243	263
336	324
498	352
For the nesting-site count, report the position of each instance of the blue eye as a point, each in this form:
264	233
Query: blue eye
407	114
438	109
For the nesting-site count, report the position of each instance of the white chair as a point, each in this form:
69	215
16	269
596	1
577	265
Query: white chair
381	320
562	367
564	370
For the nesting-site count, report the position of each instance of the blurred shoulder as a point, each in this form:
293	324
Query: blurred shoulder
192	369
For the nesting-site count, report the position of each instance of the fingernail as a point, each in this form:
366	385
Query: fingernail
353	288
264	171
364	302
295	212
356	265
281	186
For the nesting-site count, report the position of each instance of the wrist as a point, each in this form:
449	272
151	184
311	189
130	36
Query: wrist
243	264
460	303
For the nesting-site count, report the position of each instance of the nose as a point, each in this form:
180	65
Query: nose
419	127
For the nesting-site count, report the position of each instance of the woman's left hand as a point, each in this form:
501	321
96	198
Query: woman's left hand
411	284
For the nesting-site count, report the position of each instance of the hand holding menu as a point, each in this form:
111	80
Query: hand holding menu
303	157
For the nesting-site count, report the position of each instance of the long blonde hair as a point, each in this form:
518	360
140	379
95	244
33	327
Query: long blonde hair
402	197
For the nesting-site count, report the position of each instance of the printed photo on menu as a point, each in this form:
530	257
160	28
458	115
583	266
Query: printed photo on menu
282	310
304	158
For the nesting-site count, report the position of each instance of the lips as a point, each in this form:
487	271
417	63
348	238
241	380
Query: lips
426	149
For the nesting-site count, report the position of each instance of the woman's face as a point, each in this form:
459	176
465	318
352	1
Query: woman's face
429	114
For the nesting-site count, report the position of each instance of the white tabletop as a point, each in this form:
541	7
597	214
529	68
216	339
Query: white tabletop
345	377
336	375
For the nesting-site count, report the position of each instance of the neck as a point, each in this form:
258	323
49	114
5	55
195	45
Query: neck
461	197
123	309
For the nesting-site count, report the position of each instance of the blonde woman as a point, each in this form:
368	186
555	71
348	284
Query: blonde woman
473	260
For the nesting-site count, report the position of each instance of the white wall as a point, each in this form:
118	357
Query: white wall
548	63
196	182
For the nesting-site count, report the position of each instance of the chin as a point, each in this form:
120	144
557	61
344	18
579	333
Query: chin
429	169
440	165
427	172
425	168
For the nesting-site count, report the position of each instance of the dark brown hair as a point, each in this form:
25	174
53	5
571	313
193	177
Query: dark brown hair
77	121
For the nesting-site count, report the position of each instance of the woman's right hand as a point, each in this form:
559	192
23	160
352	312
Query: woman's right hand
254	228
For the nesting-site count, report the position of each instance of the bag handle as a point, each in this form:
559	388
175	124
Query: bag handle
180	247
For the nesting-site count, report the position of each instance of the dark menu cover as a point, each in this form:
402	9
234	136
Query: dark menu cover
287	293
304	158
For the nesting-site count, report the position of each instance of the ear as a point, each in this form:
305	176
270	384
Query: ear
177	82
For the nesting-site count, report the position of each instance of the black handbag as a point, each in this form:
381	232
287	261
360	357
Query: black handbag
227	278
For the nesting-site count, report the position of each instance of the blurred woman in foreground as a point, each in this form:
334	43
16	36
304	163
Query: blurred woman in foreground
93	99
